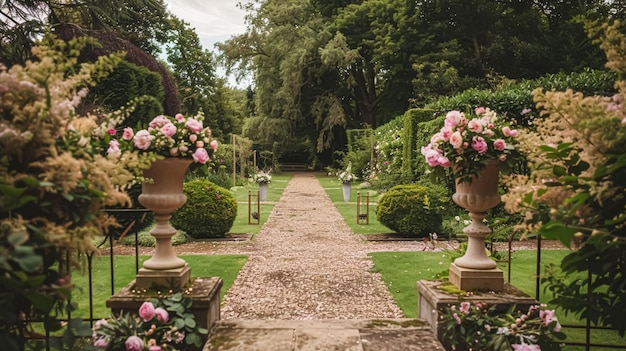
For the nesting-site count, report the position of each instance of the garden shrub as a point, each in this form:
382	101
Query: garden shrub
209	212
410	154
386	170
411	210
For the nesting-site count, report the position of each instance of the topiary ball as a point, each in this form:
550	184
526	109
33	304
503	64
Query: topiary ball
410	210
209	212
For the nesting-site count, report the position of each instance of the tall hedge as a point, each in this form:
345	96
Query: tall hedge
409	153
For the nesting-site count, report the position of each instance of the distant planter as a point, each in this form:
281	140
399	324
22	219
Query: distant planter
263	191
347	187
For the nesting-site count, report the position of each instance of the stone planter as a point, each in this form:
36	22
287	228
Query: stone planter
163	194
475	270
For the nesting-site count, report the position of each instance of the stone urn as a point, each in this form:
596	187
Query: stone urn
263	191
163	193
477	196
347	188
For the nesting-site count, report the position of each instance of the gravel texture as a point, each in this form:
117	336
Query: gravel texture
306	263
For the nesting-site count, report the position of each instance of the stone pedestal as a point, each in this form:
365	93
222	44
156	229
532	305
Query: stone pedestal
204	292
476	279
166	279
432	299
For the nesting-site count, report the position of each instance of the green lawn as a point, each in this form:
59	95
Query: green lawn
224	266
274	192
348	210
401	270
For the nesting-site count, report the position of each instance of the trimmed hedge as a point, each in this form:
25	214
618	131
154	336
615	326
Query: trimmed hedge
412	118
410	210
209	212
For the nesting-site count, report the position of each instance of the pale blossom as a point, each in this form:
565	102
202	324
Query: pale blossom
199	144
465	307
101	342
174	152
169	130
456	140
200	156
193	138
453	118
194	125
158	122
128	134
179	117
499	144
213	145
475	125
525	347
114	152
479	111
143	139
507	131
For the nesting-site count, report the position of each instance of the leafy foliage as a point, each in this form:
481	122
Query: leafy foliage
209	212
410	210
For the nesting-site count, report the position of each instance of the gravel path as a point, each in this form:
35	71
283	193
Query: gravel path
307	264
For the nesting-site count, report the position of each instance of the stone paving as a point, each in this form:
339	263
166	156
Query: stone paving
308	285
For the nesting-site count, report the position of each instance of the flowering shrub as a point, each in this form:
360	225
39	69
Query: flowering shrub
177	136
468	144
159	325
347	176
262	177
479	327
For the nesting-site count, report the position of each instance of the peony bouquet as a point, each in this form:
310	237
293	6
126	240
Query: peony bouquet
176	136
466	144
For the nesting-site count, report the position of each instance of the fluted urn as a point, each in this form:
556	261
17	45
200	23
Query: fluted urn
163	194
477	196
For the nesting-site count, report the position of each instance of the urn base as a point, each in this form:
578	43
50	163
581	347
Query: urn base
174	279
469	279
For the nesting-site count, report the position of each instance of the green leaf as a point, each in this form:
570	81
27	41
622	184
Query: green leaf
41	302
558	230
190	322
558	170
19	237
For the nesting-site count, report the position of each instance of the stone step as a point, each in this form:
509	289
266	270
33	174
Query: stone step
326	335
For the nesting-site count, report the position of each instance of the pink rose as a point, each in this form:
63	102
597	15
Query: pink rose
169	129
193	138
146	311
128	134
443	161
479	144
456	140
134	343
155	348
143	139
158	122
174	152
162	315
179	117
193	125
200	156
101	342
453	119
479	111
111	131
509	132
436	138
199	144
183	148
431	155
213	145
499	144
446	132
465	307
475	125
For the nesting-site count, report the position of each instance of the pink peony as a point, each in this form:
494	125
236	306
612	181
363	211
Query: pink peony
111	131
143	139
213	145
431	155
446	132
453	118
443	161
128	134
100	342
456	140
479	144
162	315
509	132
179	117
199	144
193	138
436	138
134	343
193	125
155	348
200	156
499	144
479	111
146	311
475	125
158	122
465	307
169	130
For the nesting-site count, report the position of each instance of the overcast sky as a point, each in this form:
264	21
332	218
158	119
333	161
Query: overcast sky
214	20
